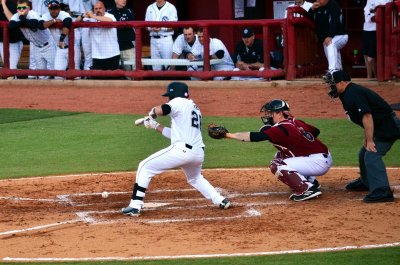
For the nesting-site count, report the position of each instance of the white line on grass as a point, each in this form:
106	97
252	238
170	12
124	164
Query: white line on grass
221	255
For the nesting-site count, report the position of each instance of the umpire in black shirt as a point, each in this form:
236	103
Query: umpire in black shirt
381	129
126	36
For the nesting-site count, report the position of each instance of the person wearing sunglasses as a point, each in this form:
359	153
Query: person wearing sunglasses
60	36
7	8
28	21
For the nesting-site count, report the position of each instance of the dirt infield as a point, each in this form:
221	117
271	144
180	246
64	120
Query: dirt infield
63	218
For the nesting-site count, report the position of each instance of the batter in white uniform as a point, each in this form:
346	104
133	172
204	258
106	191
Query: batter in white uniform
186	150
60	36
28	21
161	38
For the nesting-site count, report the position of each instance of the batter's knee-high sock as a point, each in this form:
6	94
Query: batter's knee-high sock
137	197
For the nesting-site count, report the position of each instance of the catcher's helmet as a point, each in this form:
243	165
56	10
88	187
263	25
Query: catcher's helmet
176	89
275	105
332	78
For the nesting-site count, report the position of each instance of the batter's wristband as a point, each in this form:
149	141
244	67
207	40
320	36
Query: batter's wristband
62	37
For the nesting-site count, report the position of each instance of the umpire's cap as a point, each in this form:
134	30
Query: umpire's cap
177	89
340	75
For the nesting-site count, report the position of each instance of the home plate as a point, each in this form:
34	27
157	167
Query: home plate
155	204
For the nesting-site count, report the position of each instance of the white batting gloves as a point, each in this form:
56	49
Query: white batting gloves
150	123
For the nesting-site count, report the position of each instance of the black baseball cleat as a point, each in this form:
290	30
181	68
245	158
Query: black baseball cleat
225	204
312	192
356	185
130	211
316	184
382	194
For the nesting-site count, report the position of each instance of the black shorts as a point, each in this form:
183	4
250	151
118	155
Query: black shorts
369	43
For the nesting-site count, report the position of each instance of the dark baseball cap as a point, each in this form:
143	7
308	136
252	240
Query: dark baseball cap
340	75
247	33
53	4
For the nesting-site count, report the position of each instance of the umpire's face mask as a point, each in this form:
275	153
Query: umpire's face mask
333	93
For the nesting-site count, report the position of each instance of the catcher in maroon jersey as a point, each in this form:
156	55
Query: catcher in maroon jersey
300	157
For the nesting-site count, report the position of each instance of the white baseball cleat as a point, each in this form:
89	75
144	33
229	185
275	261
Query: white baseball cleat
225	204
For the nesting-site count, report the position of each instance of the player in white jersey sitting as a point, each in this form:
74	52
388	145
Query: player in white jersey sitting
217	51
186	150
187	46
161	38
60	36
28	21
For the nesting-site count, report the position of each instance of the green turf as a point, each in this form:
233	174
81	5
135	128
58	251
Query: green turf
49	142
380	256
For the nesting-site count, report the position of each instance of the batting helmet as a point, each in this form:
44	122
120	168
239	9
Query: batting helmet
275	105
176	89
332	78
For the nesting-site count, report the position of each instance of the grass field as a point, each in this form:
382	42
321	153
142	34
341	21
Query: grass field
39	143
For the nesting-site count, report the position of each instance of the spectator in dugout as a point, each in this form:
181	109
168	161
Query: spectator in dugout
105	48
186	46
126	36
249	54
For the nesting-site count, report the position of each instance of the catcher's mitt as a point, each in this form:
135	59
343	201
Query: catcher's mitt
217	131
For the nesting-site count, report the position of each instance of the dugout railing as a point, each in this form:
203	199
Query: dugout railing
267	26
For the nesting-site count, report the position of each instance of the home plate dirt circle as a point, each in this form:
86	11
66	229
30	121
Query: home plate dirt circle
66	218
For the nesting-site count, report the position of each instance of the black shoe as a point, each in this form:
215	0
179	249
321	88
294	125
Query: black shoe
316	184
312	192
356	185
130	211
383	194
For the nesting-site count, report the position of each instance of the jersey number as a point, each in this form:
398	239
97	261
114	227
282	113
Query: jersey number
196	120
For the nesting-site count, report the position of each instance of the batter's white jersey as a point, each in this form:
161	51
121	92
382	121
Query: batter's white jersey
185	122
166	13
104	40
181	45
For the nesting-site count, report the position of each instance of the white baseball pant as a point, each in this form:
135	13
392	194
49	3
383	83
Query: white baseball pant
309	166
44	57
15	53
332	52
161	49
176	156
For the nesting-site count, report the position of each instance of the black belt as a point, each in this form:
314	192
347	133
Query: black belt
159	37
44	45
191	147
65	47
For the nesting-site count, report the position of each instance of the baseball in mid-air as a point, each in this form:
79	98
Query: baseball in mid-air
105	194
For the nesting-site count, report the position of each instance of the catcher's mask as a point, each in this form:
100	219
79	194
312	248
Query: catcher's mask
275	105
176	89
332	78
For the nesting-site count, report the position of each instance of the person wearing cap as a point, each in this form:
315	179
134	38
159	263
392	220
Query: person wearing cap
28	21
60	36
381	127
186	150
249	54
